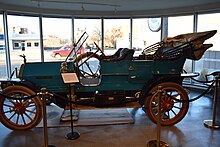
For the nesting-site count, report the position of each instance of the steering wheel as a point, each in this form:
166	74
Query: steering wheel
88	65
99	49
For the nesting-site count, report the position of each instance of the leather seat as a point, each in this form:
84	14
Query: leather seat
120	54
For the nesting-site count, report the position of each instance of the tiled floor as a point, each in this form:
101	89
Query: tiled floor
190	132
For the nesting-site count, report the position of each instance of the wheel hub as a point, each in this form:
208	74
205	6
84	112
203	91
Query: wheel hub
19	108
167	105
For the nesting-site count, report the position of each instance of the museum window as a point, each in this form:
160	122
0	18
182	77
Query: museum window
142	34
210	61
21	29
182	25
57	32
116	35
3	71
93	28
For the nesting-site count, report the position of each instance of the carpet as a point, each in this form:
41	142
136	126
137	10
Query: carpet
87	117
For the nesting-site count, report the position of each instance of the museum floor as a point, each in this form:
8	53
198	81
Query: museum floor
190	132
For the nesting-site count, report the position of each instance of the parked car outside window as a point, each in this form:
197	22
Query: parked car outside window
64	51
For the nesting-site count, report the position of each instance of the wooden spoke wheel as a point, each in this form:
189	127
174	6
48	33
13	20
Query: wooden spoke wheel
172	111
21	114
89	64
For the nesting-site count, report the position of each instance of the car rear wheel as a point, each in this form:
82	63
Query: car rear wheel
58	56
21	114
172	111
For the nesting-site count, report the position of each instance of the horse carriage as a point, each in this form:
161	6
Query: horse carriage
121	80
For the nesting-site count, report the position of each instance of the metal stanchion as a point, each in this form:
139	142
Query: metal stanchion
215	122
43	92
72	135
158	142
70	78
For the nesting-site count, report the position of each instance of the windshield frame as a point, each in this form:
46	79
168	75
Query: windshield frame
77	46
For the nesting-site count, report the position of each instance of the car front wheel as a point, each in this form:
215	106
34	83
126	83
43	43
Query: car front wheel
20	114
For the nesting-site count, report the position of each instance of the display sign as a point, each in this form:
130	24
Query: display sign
69	78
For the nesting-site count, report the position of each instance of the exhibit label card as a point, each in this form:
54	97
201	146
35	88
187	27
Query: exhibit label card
69	78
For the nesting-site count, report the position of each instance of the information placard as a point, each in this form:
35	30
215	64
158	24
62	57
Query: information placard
69	78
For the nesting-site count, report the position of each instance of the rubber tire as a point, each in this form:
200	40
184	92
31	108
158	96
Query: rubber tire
183	110
28	92
58	56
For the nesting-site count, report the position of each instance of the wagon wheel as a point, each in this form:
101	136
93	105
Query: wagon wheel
20	114
172	111
88	64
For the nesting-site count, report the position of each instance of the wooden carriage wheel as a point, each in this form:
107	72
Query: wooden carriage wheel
21	114
172	111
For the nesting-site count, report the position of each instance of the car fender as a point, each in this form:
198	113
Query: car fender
155	81
12	82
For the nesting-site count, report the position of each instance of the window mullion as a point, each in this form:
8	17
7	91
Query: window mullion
8	59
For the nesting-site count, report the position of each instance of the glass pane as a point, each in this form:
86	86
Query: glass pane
3	73
210	61
116	35
93	28
57	36
23	33
181	25
146	32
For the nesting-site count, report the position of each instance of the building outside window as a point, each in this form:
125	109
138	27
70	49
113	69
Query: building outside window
36	44
28	44
16	45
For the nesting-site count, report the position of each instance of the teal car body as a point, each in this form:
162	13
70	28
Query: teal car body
120	75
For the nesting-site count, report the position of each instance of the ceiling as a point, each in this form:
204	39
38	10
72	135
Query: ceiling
112	8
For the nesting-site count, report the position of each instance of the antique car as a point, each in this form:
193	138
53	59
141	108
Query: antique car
117	81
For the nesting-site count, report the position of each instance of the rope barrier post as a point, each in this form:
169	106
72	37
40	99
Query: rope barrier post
215	122
158	142
43	92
